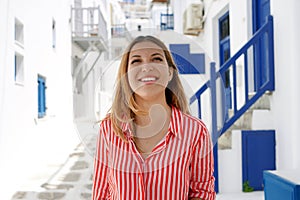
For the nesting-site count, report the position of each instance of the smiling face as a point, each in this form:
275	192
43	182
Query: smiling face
148	71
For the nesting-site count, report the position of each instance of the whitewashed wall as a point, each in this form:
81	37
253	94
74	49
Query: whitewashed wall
286	98
29	143
284	101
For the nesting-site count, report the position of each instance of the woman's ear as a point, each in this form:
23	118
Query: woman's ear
171	70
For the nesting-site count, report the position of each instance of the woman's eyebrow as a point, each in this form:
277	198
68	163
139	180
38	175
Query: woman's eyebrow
138	56
155	54
133	56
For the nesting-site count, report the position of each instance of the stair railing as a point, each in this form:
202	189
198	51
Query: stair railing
268	85
263	35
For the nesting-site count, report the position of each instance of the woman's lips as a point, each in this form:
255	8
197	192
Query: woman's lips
148	79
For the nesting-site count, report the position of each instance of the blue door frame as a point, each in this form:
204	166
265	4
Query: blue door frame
261	9
224	46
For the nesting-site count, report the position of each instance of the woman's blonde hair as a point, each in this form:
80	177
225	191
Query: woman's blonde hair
124	108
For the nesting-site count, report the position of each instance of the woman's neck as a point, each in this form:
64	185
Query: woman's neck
156	120
156	109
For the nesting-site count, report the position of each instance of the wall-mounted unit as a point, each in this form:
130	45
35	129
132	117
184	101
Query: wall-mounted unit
193	19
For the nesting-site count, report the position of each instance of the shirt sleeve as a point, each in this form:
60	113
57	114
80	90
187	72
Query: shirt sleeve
202	168
100	183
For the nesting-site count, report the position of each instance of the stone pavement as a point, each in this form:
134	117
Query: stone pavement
72	181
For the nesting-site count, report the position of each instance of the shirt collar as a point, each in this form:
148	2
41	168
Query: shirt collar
125	127
175	126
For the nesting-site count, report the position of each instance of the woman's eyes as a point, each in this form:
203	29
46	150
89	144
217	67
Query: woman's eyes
155	59
135	61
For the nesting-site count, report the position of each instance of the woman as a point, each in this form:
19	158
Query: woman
149	147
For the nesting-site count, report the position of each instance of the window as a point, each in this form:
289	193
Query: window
53	34
19	68
19	32
224	27
19	52
41	97
166	21
224	45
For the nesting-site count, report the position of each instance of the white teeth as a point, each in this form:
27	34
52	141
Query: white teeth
147	79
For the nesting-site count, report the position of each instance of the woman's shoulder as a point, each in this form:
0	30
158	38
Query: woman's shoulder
192	119
105	124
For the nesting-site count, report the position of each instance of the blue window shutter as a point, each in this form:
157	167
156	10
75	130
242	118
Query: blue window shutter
41	97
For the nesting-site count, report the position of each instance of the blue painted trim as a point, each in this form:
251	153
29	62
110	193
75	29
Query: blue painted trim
246	76
220	20
271	53
279	188
224	45
249	44
260	14
199	108
243	109
254	17
214	122
200	92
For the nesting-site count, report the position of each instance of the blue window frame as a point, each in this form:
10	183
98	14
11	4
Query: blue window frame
41	97
224	45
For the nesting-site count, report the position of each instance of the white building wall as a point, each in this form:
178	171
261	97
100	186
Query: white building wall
28	144
179	8
284	106
286	98
295	53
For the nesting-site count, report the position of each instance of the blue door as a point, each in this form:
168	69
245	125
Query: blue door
261	9
258	154
224	45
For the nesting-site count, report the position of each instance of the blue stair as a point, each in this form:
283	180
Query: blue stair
186	62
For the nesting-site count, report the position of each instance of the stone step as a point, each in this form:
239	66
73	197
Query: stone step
251	119
262	103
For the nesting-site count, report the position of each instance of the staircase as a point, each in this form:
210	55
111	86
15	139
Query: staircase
89	37
232	156
245	105
250	120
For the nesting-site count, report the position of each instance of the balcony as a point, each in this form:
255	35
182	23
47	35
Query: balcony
89	26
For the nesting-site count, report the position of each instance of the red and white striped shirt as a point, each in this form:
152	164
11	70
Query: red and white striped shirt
179	167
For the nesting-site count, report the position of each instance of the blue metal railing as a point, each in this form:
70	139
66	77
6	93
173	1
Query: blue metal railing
166	21
265	35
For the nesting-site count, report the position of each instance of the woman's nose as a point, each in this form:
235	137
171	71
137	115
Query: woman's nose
147	68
